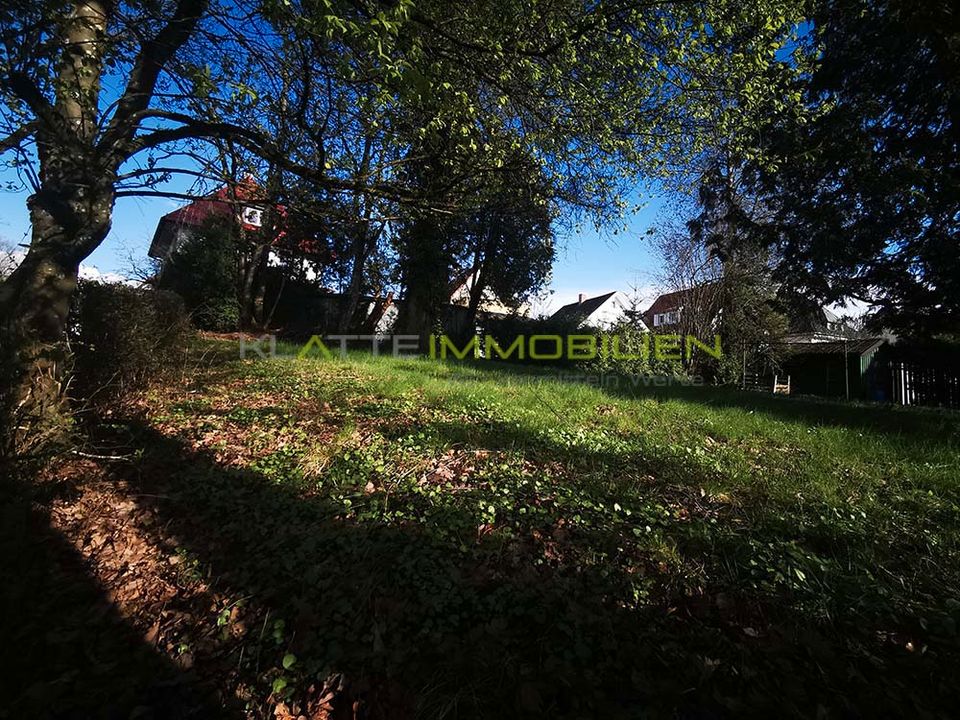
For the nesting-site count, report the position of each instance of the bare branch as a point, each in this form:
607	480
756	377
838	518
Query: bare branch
13	140
26	89
154	55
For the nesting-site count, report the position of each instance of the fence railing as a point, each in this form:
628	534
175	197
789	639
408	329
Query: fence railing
903	382
916	384
777	384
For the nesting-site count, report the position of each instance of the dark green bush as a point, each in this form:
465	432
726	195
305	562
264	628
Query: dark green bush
203	271
635	355
506	329
123	337
635	347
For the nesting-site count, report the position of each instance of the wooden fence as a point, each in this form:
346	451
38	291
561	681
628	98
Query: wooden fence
902	382
777	384
912	383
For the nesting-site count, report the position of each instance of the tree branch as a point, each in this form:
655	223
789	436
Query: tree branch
154	55
262	146
14	139
24	88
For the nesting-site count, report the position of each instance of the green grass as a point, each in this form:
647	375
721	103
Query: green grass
483	540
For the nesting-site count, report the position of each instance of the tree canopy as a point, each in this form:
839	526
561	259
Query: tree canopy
865	196
100	100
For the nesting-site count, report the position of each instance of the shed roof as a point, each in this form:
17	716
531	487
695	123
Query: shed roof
855	346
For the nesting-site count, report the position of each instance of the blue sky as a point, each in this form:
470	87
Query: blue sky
594	263
589	262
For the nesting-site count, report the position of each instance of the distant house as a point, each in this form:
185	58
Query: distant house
818	326
601	311
815	326
461	289
665	312
244	206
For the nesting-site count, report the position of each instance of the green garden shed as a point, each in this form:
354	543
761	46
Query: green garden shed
838	368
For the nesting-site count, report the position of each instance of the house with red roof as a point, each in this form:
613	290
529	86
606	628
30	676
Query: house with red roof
244	205
665	312
244	208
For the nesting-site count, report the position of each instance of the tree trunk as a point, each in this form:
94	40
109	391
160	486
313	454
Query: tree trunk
416	317
260	293
251	292
79	152
426	280
481	263
362	242
353	291
34	303
364	245
476	295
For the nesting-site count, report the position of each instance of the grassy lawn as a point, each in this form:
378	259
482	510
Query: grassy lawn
412	538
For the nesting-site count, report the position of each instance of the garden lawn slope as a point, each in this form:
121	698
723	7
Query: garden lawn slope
394	538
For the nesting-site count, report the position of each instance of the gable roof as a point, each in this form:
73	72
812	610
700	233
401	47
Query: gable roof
219	205
667	302
580	311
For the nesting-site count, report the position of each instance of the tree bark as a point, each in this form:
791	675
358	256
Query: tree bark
68	220
356	285
476	295
253	287
365	243
417	317
79	155
362	241
480	274
426	280
260	290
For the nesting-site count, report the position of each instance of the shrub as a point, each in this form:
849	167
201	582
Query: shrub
635	355
203	271
505	329
122	337
631	342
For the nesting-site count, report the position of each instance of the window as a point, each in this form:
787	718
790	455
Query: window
667	318
252	216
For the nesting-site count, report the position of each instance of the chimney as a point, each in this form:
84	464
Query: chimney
580	299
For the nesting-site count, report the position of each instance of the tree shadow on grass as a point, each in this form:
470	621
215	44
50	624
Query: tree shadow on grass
912	422
67	652
424	608
417	621
813	585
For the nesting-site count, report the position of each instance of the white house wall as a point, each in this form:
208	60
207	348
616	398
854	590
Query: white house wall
610	313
